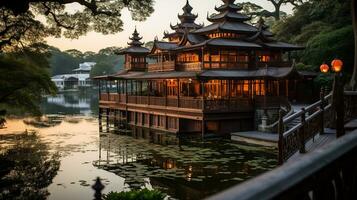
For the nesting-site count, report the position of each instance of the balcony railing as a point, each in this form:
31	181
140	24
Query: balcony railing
135	65
226	105
161	66
196	66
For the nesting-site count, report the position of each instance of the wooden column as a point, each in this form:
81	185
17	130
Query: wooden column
178	93
281	138
322	107
203	94
100	89
203	127
149	90
108	123
302	133
100	120
165	85
126	106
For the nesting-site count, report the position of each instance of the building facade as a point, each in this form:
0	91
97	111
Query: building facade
225	77
80	78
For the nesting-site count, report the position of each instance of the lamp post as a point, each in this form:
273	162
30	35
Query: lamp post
338	93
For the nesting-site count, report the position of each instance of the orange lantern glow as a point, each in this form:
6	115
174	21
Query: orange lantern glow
337	65
324	68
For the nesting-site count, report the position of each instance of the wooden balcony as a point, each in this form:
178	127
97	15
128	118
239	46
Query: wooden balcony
196	66
161	66
137	66
211	105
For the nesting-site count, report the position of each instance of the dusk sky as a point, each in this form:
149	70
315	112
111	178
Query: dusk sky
165	12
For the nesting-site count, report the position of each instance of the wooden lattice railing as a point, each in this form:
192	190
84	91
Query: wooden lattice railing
296	130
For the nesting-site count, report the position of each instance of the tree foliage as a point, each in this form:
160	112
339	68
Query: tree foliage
19	20
324	28
102	68
24	78
143	194
255	10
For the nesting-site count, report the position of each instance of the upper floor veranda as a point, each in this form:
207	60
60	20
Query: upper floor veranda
216	59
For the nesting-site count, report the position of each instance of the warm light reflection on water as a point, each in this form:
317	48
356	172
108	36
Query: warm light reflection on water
193	171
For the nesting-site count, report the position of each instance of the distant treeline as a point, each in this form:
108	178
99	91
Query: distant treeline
63	62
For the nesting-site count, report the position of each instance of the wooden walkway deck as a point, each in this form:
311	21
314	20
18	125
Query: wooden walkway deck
270	139
316	143
256	137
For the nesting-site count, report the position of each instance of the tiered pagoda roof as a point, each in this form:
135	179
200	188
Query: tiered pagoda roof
187	22
135	46
229	19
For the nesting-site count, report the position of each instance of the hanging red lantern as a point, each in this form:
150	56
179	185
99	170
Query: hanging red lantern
324	68
337	65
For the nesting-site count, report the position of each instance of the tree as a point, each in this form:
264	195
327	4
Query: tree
102	69
353	82
75	53
255	10
18	20
323	27
63	62
24	78
109	51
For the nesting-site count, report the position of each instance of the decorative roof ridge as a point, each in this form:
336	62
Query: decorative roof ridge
135	39
186	18
226	9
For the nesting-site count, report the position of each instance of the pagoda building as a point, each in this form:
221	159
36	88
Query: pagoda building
135	54
187	23
216	79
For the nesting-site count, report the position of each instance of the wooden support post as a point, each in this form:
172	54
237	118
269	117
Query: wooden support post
108	121
203	94
100	120
203	128
281	138
100	90
149	90
178	93
322	107
166	93
338	98
302	131
126	106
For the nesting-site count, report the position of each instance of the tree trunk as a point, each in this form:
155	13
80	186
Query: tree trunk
353	82
276	12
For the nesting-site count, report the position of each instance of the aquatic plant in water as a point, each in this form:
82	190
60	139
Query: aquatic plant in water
144	194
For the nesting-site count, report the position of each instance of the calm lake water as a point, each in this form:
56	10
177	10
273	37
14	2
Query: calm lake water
67	152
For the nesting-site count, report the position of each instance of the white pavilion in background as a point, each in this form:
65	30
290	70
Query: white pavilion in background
80	78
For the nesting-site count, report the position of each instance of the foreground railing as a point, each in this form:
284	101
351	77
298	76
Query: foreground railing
327	173
296	130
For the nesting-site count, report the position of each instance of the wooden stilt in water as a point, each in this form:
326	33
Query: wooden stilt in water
108	123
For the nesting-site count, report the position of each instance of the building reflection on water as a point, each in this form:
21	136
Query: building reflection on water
195	171
83	102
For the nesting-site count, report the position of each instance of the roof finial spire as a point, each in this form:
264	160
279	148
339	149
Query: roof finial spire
135	39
